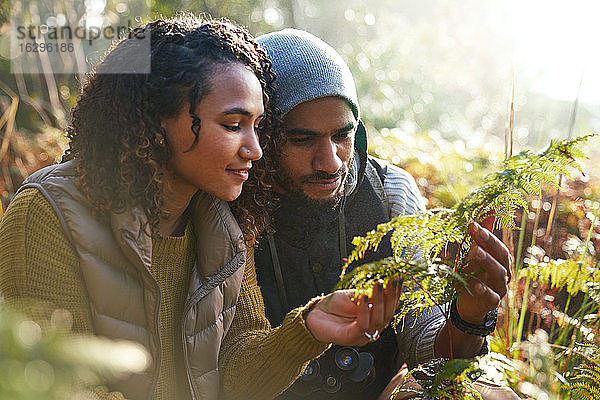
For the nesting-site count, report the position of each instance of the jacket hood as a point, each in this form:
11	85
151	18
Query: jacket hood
358	166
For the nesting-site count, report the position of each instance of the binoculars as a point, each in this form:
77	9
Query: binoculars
342	371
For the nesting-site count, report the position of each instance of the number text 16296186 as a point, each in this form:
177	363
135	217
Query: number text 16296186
46	47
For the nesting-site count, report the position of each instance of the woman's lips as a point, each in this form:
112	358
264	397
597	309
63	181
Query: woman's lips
239	173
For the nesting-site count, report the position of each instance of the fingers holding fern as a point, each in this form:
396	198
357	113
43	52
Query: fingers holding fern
489	265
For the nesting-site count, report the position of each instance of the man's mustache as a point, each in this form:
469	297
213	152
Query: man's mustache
324	176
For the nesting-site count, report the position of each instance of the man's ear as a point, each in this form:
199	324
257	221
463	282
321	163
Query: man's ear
360	141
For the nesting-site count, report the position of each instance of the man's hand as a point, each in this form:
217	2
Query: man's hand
402	380
342	319
491	263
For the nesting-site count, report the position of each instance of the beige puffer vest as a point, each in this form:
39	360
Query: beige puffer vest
125	298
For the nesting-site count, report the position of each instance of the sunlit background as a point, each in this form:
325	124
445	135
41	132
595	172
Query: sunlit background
439	69
559	40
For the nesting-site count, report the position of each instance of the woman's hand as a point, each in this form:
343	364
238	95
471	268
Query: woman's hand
342	319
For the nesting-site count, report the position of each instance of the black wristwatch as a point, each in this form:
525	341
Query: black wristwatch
488	326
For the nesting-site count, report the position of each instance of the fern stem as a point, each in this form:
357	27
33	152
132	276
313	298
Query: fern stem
564	332
566	310
581	257
572	350
523	311
583	253
579	316
596	327
556	195
550	224
589	236
583	311
515	282
507	233
518	262
528	281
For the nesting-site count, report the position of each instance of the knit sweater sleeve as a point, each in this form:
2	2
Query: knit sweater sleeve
38	263
257	361
401	191
416	340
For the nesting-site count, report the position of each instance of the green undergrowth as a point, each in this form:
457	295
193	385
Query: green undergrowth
431	278
419	240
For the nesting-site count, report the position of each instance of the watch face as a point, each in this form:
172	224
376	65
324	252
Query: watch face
490	318
484	329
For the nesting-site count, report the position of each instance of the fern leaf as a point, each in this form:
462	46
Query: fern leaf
418	241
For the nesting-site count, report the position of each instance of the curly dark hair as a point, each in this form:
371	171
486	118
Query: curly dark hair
115	131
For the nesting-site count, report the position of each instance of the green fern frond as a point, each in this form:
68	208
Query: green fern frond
575	276
589	373
434	277
586	383
584	391
591	351
425	236
448	379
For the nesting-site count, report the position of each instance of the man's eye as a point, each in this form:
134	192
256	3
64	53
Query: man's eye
342	135
300	139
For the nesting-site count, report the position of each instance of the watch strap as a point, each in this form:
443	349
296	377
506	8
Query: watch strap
473	329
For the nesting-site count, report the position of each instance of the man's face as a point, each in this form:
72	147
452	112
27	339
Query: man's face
317	150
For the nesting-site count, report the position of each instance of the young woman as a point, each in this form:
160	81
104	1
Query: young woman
131	232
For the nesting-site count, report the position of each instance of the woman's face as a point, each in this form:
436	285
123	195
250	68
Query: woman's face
227	142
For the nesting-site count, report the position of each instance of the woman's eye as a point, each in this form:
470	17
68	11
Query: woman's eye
232	128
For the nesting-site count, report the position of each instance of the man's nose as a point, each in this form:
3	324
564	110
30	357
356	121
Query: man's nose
326	158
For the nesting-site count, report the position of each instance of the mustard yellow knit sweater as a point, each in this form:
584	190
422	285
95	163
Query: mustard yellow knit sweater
256	361
37	262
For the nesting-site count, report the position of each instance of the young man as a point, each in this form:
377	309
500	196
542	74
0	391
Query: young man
330	191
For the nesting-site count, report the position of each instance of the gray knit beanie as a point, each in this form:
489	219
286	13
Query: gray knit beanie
307	68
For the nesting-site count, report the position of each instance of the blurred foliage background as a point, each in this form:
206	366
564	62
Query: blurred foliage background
42	359
435	69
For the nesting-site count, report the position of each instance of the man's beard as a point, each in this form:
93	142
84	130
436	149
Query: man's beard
296	194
